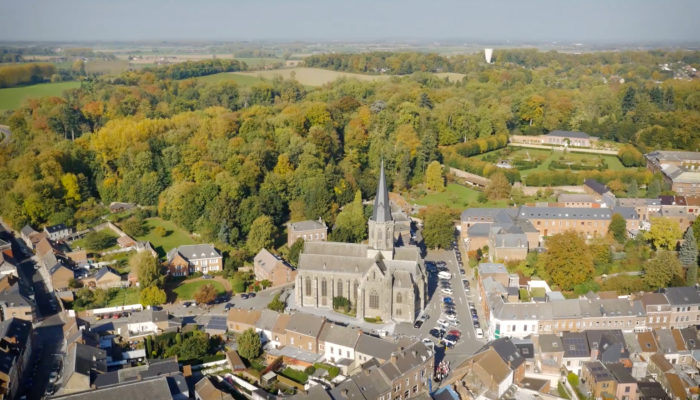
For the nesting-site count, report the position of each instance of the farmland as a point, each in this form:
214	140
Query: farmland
312	76
11	98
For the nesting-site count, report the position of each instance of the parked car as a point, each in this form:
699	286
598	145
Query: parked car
447	290
444	275
455	332
479	333
418	324
450	340
207	276
428	343
53	376
251	295
442	322
244	295
476	324
455	323
228	306
447	300
461	271
451	316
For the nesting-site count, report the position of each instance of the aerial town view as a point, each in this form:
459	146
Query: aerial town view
365	200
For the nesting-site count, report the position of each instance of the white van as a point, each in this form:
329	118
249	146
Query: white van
479	333
444	275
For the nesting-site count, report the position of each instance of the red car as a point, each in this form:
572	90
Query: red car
455	332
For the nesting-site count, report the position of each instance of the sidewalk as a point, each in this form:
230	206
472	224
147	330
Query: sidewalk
342	318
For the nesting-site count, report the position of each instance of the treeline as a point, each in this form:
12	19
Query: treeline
191	69
563	178
476	166
381	62
22	74
481	145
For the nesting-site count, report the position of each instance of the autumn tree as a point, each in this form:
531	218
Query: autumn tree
146	267
433	177
499	187
662	269
152	296
350	225
618	228
295	250
205	294
248	344
567	260
664	233
438	228
688	256
262	234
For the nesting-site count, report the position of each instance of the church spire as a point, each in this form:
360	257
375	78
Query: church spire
382	208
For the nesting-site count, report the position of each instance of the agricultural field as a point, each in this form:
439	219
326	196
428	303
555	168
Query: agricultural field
530	160
186	290
11	98
175	236
312	76
241	80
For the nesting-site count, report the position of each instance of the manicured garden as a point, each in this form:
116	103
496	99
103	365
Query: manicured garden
125	296
186	290
174	236
455	196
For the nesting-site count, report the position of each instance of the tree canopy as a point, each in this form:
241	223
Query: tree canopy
567	260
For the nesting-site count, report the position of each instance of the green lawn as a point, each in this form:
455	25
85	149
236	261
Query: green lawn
162	244
457	196
241	80
125	297
186	290
80	243
254	62
11	98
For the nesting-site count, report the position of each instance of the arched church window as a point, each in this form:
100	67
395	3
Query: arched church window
307	286
373	300
340	289
399	298
324	287
354	291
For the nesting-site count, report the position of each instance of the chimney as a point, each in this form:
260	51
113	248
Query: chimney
394	357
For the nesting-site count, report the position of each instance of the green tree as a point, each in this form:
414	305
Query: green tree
350	225
653	189
99	240
499	187
664	233
696	229
438	228
134	227
194	347
248	344
152	296
618	228
633	189
295	250
262	234
688	256
146	267
433	177
205	294
276	304
567	260
661	270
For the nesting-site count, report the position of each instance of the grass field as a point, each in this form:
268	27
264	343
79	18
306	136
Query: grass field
457	196
80	243
124	297
312	76
545	157
254	62
451	76
162	244
241	80
11	98
186	290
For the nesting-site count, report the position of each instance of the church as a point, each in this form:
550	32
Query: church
381	279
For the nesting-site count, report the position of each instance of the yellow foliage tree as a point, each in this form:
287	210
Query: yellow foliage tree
433	177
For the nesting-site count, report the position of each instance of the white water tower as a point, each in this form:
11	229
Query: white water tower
487	55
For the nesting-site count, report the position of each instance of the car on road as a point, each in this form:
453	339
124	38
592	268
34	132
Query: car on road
228	306
450	340
418	324
244	295
442	322
455	332
53	376
425	317
451	317
50	389
479	333
447	290
444	275
461	271
437	332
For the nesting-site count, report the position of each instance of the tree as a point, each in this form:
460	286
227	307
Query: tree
633	189
205	294
498	188
194	347
664	233
688	256
433	177
134	227
654	189
262	234
152	296
661	270
567	260
160	231
295	250
248	344
438	228
696	229
146	267
99	240
350	222
618	228
276	304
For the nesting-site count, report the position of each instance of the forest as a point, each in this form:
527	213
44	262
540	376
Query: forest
232	162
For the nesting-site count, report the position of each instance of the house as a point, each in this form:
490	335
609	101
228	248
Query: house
549	354
569	138
599	381
117	207
81	365
279	331
125	241
409	370
577	200
595	188
105	278
146	246
147	370
29	236
44	247
148	321
205	389
5	246
234	361
576	351
680	170
15	353
265	325
269	267
338	342
369	347
671	345
79	258
675	386
168	387
61	276
58	232
7	266
658	310
647	343
510	354
239	320
13	301
303	331
550	221
483	375
307	230
650	389
685	306
626	388
607	346
188	259
216	326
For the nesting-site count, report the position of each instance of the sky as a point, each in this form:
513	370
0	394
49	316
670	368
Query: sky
592	21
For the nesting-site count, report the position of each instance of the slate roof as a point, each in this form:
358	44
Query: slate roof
407	359
675	156
609	343
575	198
153	368
104	271
565	213
620	373
598	371
20	332
56	228
575	345
489	214
506	350
492	268
85	360
216	324
206	390
687	295
525	347
339	335
195	251
268	261
569	134
148	315
596	186
382	208
371	383
375	347
550	343
347	390
267	320
27	231
305	324
307	225
159	388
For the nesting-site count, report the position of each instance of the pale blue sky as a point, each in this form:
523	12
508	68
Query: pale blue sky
322	20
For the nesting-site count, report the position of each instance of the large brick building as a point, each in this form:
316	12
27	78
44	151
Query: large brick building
680	169
191	258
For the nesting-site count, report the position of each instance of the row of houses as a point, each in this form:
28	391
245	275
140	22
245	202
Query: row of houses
680	170
673	308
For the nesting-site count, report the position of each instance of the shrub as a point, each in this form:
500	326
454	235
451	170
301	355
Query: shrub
99	240
309	370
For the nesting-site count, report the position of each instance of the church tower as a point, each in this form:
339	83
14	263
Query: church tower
381	224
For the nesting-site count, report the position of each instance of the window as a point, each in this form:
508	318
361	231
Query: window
309	345
398	298
324	288
373	300
340	289
415	388
307	286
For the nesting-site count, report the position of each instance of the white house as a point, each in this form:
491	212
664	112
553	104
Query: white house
337	343
147	321
264	326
